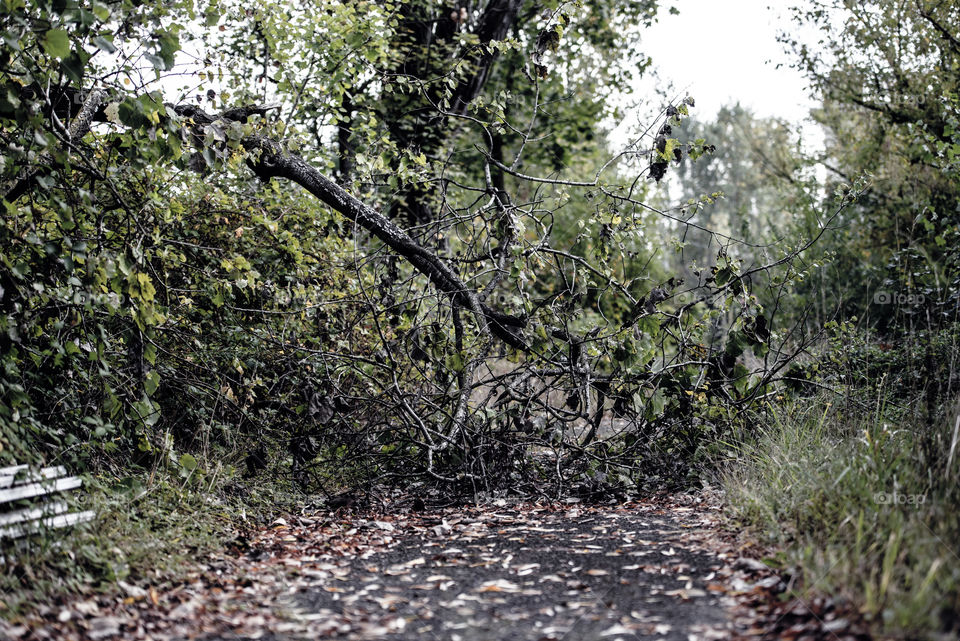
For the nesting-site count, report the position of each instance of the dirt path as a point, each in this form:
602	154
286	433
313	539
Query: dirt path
652	569
546	573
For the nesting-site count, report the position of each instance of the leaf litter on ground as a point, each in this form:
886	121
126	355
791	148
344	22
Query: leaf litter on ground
658	568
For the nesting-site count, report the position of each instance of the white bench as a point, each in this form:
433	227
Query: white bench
19	483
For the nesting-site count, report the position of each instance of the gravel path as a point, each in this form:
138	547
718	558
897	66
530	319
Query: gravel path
577	573
656	569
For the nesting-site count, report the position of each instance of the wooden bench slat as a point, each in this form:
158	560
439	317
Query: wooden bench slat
13	469
39	489
61	520
49	508
22	482
45	473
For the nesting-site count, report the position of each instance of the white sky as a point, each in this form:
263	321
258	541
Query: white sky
724	51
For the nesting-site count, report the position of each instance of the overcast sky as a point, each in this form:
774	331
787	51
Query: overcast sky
722	51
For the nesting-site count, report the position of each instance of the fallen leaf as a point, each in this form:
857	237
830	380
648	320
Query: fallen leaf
498	586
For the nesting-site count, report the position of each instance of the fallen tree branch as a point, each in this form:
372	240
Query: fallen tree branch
269	160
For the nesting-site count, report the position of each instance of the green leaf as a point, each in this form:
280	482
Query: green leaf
150	353
73	66
723	276
130	112
104	44
736	343
101	10
741	378
56	42
150	382
146	412
656	405
9	101
188	462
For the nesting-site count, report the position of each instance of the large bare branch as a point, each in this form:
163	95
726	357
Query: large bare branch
269	160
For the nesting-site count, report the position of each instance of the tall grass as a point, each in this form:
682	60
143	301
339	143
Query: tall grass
859	508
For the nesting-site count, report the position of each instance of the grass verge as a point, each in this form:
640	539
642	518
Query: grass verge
150	529
858	508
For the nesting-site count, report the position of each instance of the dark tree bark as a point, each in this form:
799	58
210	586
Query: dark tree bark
270	161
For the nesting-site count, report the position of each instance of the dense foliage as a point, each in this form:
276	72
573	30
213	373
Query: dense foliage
856	471
888	76
475	302
349	244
